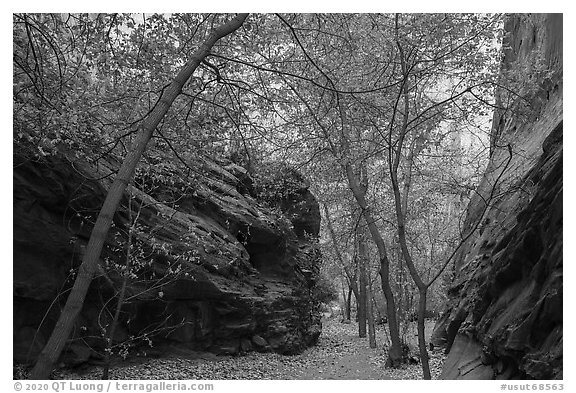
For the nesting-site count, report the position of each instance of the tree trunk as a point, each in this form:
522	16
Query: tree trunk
352	287
422	287
394	156
51	352
349	303
407	256
421	333
370	316
344	299
110	335
395	352
347	296
356	292
363	284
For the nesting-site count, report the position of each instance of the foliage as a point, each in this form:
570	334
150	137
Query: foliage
409	94
324	290
276	182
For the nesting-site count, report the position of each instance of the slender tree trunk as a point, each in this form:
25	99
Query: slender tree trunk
358	186
347	298
407	256
422	333
400	292
422	287
352	286
349	303
363	285
395	351
401	205
344	299
112	331
356	292
51	352
394	157
370	316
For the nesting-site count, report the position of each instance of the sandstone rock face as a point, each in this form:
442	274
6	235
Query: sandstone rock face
212	267
504	316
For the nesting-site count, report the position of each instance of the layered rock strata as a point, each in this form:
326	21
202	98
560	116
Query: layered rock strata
212	268
504	315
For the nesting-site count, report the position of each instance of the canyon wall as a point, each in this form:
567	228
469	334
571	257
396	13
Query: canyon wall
504	315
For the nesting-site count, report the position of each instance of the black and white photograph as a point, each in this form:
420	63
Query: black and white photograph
365	196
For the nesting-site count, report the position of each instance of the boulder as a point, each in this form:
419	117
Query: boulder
215	271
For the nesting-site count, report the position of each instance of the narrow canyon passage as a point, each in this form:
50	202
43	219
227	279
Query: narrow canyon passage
340	354
206	196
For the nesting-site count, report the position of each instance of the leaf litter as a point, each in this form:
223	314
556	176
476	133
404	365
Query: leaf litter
339	354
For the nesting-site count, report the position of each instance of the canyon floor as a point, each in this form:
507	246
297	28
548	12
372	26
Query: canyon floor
339	354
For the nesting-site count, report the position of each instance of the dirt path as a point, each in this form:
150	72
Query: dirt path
340	354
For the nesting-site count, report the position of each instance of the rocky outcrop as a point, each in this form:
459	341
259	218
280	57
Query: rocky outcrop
211	267
504	316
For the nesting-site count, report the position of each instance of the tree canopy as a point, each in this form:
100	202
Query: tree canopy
387	115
